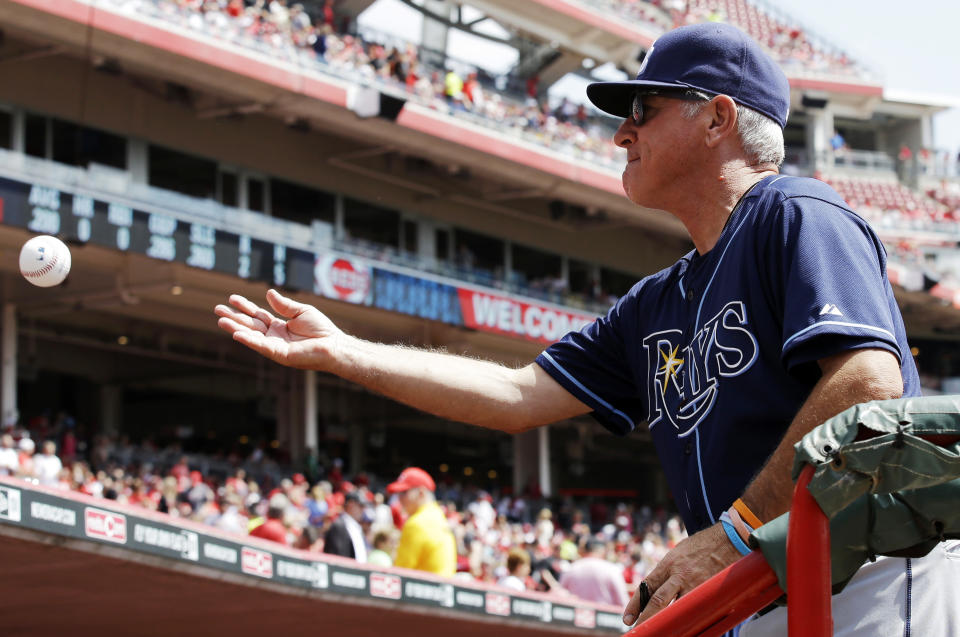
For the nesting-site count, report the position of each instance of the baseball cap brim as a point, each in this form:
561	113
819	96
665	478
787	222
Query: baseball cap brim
616	98
398	487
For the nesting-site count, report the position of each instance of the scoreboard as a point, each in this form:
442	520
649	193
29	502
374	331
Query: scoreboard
83	219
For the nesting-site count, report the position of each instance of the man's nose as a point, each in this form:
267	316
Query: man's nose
625	135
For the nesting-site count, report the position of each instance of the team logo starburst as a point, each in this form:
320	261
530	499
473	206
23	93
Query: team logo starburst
671	365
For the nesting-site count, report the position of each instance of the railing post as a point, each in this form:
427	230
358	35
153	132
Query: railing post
808	565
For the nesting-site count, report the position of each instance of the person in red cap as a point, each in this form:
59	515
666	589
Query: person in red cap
426	542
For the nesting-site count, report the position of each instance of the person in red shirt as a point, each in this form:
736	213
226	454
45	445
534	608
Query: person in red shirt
328	15
274	529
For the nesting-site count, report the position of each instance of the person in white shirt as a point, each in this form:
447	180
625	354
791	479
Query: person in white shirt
46	465
518	567
9	461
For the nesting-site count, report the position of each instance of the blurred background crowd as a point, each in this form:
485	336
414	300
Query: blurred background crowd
520	541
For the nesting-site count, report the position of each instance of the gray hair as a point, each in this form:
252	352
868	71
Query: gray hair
761	137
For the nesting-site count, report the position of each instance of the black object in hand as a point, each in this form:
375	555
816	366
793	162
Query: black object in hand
644	595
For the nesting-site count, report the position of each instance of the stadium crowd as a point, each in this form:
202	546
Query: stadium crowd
322	42
521	541
327	45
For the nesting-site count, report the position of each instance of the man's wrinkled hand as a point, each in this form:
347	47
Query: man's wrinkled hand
299	335
689	564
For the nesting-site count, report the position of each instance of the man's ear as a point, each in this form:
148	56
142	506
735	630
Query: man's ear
723	120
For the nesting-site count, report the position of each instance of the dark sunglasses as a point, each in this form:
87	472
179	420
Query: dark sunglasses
636	106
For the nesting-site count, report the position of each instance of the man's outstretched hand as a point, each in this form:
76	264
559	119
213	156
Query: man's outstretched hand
689	564
299	336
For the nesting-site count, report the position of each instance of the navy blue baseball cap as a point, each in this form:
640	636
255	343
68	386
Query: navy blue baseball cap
715	58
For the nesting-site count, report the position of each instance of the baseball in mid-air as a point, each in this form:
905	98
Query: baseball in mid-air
45	261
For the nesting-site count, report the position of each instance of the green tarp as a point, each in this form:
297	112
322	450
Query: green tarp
886	490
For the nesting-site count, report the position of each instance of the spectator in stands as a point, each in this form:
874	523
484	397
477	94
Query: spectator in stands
169	496
453	90
383	541
46	464
329	17
594	578
310	540
232	519
273	528
426	542
837	143
199	492
9	460
518	569
904	163
317	503
473	93
25	457
345	535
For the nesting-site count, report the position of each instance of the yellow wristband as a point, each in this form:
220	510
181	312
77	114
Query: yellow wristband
747	515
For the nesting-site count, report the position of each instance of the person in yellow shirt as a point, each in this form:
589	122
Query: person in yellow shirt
426	541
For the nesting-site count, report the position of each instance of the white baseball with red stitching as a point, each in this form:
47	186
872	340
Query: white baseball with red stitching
45	261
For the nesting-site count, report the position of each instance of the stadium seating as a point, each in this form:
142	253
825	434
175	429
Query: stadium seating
889	205
291	35
948	194
796	49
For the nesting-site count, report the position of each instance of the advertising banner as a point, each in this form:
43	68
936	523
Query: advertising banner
26	507
512	317
432	300
343	278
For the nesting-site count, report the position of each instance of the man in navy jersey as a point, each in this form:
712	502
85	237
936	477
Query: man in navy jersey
780	318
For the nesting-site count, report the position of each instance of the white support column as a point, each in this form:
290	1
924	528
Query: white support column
543	460
531	461
19	131
310	410
426	239
8	377
138	160
819	132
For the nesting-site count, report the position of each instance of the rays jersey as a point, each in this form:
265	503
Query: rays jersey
718	352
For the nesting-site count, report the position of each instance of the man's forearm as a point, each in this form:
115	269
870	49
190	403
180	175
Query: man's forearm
853	378
456	387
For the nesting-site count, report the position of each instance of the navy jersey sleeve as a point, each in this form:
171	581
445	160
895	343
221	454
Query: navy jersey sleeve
594	365
832	276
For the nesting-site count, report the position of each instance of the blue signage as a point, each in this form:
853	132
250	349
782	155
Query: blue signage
416	297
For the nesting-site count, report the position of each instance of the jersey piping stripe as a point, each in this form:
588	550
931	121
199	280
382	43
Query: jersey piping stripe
589	393
683	293
716	268
908	602
703	486
841	324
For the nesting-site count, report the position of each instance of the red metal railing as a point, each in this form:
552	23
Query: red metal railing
808	564
748	585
